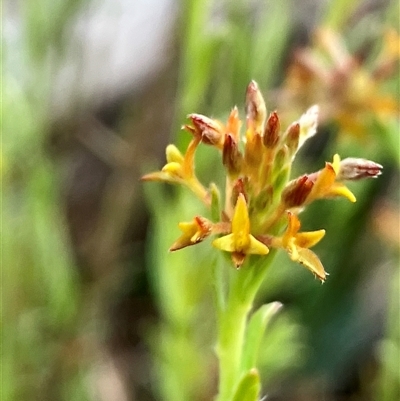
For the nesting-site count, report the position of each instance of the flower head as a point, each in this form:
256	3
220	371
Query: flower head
262	204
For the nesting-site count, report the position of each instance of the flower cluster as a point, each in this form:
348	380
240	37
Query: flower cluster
348	87
262	205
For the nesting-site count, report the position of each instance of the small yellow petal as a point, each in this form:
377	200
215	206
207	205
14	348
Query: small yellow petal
173	154
336	163
173	168
257	247
240	220
225	243
341	190
309	239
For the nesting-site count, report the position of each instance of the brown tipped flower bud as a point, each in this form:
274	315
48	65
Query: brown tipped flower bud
355	169
256	111
210	131
295	193
231	157
237	189
271	131
292	138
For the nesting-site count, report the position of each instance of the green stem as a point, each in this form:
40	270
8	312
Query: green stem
233	322
232	326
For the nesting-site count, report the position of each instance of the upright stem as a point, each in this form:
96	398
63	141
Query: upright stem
232	324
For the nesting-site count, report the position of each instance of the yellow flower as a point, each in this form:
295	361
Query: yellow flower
296	245
193	233
180	169
326	186
240	242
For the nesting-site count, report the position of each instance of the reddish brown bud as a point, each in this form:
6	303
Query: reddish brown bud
210	131
255	106
271	131
231	157
355	169
295	193
239	188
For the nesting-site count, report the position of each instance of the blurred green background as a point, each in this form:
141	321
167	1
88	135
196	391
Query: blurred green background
93	306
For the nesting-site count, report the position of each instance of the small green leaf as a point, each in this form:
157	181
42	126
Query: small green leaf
255	331
249	387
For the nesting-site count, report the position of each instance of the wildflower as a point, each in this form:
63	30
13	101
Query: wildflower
180	169
193	233
260	198
326	184
240	242
296	244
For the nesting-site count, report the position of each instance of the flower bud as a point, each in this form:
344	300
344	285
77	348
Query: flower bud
231	157
256	111
271	131
210	131
237	189
292	137
308	124
295	193
355	169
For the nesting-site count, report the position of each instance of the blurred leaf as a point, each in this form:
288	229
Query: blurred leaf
255	332
249	387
